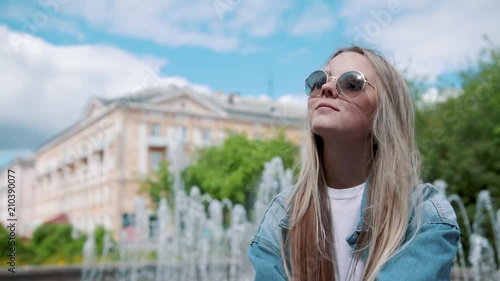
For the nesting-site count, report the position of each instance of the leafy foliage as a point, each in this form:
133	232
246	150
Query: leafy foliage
53	243
23	253
460	138
234	169
99	238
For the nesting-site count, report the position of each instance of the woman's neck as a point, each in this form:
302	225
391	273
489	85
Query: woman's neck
345	163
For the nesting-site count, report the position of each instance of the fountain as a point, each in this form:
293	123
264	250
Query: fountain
88	270
483	263
192	241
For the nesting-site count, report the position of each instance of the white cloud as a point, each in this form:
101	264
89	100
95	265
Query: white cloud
258	18
317	19
46	86
288	102
295	104
199	23
264	98
433	95
218	25
295	99
426	37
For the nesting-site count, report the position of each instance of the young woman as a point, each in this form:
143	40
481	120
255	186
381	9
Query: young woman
358	210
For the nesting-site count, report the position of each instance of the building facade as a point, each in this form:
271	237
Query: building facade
92	171
21	171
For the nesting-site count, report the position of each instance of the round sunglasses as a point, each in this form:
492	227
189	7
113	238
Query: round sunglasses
349	85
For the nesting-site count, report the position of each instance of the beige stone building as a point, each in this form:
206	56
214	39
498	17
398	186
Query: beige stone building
92	171
23	173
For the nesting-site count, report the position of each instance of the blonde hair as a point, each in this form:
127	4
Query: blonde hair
394	171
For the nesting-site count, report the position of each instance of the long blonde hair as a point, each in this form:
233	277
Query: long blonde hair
394	171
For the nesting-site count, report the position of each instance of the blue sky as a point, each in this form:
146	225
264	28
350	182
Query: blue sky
56	54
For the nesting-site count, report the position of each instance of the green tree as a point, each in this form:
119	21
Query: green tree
22	251
460	137
99	234
233	169
53	243
159	184
4	236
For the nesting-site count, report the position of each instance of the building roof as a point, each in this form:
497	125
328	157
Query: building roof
62	218
231	103
230	106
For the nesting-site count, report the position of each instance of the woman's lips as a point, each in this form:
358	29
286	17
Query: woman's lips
327	106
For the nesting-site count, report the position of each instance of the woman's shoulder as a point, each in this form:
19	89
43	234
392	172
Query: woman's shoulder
281	199
265	250
274	219
435	207
276	211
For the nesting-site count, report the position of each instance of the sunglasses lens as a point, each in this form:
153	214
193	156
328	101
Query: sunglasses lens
315	81
350	83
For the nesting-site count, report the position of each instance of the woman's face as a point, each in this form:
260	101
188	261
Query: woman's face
332	117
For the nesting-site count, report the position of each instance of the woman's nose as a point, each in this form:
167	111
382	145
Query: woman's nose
328	90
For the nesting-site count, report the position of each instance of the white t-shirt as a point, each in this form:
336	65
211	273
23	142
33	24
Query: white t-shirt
345	206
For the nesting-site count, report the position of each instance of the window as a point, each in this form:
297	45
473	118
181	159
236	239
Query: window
155	129
156	156
197	136
99	162
183	133
108	223
171	134
177	133
70	172
153	227
207	135
222	134
83	170
100	157
59	176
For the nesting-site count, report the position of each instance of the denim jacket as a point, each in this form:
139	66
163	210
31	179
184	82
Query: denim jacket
428	256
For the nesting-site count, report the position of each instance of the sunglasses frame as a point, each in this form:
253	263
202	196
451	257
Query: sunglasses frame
330	77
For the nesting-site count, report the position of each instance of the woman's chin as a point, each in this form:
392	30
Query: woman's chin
325	130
